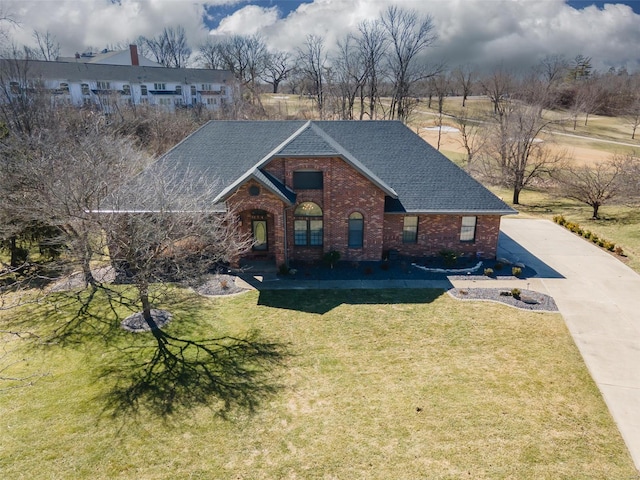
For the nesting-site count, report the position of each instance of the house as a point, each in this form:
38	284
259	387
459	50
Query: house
104	85
362	188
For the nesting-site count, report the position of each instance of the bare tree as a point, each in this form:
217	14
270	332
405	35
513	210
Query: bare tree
595	184
209	55
278	68
165	226
351	70
170	48
409	35
48	48
515	155
498	86
465	77
472	137
373	45
312	61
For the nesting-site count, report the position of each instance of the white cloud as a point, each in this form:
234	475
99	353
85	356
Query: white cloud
485	32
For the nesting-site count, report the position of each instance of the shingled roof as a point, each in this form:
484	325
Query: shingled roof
415	177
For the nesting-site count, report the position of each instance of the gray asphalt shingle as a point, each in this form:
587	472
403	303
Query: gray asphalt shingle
388	152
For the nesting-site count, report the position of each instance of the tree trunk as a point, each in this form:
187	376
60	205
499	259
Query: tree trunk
516	195
146	306
13	250
596	207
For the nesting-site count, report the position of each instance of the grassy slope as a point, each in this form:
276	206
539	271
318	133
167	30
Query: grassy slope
384	384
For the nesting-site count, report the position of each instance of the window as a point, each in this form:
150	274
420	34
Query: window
103	85
126	90
212	101
410	230
165	101
307	180
14	87
468	229
178	89
143	90
307	226
64	87
85	89
222	91
254	190
193	90
206	87
159	86
356	230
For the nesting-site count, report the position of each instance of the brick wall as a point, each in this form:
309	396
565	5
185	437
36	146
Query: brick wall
345	191
438	232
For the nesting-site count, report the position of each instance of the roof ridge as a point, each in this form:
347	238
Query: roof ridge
353	160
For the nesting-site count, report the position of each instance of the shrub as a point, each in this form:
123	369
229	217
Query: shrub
224	284
506	294
618	250
586	234
601	242
331	257
515	293
283	269
594	238
488	272
516	271
449	256
609	245
559	219
498	266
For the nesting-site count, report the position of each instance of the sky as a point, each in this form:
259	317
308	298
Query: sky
485	33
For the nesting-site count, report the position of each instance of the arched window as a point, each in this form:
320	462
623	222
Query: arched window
307	225
356	230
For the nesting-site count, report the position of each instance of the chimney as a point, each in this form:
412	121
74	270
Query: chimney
133	49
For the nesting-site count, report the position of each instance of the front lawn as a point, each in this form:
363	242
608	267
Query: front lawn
381	385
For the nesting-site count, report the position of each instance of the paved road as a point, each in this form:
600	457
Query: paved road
599	298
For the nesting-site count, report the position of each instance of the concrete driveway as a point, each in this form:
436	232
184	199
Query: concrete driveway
599	298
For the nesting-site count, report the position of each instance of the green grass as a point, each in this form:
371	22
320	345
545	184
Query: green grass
377	384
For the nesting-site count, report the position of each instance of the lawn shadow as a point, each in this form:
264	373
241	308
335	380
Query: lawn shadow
510	249
170	374
321	301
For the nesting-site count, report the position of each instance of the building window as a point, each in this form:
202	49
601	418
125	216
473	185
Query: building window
102	85
356	230
14	87
410	230
126	90
206	87
468	229
85	89
212	101
222	91
254	190
165	102
193	91
143	90
64	87
307	180
159	86
307	226
178	89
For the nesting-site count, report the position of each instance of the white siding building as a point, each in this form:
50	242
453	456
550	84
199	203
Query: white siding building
104	85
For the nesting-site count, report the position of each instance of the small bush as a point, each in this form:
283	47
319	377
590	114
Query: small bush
450	257
618	250
498	266
224	284
594	238
506	294
609	245
559	219
515	293
516	271
586	234
488	272
283	269
331	257
601	242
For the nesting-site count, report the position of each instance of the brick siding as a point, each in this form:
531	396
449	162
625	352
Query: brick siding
344	192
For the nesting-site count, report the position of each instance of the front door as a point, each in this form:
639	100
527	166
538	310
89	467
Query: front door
259	229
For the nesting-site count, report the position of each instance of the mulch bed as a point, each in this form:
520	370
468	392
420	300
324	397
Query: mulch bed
136	322
529	300
219	285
